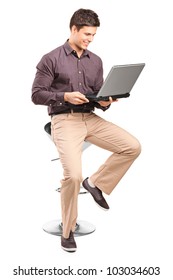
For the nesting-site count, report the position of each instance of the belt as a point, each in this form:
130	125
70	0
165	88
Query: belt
74	110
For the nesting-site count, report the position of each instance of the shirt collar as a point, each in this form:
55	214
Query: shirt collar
68	49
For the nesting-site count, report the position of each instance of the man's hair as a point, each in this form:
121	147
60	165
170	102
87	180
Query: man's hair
84	17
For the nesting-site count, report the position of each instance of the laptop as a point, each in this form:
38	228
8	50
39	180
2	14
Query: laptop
118	83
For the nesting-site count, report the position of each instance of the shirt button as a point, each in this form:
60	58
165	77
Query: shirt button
79	72
80	84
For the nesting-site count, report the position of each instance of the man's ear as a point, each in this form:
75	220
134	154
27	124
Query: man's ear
74	29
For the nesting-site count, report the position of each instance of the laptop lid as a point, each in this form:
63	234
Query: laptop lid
119	82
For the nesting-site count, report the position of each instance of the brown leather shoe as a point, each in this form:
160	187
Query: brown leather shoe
68	244
96	194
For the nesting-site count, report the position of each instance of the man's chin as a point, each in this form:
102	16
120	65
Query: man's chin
84	48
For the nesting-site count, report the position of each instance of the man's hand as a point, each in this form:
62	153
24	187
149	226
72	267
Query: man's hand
75	97
107	103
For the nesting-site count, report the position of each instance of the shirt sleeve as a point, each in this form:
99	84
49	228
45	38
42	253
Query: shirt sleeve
42	94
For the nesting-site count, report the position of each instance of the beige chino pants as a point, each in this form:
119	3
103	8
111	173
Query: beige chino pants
69	132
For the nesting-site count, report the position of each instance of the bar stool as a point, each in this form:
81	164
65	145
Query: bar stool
55	227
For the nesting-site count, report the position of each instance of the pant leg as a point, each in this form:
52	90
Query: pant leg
125	149
68	135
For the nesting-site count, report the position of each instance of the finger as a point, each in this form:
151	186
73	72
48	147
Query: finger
110	99
83	98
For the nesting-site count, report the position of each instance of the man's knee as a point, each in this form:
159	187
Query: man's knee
71	184
73	178
76	178
136	148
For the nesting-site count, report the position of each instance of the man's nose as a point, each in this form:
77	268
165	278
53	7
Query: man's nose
91	38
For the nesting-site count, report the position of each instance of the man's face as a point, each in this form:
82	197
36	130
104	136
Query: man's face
82	38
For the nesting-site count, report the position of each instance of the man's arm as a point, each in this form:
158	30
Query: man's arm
41	88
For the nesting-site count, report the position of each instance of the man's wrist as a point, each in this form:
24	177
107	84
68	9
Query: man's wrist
66	96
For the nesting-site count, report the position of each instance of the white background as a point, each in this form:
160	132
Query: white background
137	231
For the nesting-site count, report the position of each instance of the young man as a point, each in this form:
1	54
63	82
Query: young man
64	76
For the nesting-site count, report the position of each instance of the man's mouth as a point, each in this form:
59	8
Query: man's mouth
86	44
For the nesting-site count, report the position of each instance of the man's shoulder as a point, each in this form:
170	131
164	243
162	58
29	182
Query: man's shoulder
94	56
54	52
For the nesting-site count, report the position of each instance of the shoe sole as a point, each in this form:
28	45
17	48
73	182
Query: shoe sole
70	250
105	209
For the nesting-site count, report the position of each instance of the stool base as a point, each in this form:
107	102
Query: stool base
82	228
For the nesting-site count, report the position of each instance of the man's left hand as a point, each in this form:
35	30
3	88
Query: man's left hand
107	103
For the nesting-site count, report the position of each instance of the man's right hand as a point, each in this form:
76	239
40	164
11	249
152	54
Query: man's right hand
75	97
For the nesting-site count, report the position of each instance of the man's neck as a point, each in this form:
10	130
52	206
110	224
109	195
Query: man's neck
76	49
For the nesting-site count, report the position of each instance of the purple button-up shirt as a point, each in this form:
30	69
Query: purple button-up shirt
62	71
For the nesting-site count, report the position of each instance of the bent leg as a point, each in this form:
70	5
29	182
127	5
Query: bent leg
125	149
